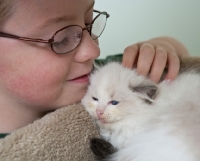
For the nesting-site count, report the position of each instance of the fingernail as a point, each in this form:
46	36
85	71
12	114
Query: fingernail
168	81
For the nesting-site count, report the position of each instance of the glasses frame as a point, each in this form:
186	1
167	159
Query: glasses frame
51	40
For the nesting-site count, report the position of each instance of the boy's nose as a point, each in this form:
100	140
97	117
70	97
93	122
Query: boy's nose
88	49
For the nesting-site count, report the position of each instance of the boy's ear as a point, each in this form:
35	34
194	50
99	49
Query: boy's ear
147	91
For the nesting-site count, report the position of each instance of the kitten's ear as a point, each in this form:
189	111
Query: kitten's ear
147	91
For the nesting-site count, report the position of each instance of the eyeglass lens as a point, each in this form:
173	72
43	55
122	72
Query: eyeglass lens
69	38
98	26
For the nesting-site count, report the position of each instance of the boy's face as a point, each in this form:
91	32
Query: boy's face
31	74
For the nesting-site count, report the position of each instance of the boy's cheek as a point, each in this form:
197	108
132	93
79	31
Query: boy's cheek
30	88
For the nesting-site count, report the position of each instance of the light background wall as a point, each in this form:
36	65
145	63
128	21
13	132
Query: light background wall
132	21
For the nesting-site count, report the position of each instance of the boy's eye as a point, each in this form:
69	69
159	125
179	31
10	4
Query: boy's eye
60	44
94	98
114	102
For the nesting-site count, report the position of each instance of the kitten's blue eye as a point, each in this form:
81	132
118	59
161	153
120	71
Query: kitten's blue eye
94	98
114	102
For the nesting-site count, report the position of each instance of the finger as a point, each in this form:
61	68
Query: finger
173	66
158	65
130	56
146	56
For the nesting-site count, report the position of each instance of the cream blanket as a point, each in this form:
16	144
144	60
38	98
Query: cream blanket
62	135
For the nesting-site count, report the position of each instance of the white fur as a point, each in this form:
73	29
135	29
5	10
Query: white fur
168	129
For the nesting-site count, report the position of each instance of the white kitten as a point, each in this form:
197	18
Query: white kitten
143	120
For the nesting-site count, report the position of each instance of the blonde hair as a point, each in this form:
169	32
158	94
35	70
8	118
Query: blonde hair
6	10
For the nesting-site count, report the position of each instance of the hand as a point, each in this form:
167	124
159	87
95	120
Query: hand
153	56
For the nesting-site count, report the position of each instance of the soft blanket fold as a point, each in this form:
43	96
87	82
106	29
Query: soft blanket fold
62	135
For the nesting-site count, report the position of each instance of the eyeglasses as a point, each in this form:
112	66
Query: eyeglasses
68	38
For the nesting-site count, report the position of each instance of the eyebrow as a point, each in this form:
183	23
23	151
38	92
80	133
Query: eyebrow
62	18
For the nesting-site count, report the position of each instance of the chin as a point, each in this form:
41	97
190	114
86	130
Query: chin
73	95
67	101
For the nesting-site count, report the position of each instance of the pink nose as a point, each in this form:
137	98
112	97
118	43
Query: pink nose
99	112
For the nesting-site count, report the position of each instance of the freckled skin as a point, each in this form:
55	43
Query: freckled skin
38	75
34	79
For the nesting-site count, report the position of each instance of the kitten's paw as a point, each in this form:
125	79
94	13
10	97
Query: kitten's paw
101	148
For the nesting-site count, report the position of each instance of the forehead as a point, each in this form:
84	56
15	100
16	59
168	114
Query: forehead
34	13
53	6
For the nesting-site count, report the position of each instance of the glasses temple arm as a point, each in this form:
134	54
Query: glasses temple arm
25	38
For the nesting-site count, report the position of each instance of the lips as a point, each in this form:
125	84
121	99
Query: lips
81	79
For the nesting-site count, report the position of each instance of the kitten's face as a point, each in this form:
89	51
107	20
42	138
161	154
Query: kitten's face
111	97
